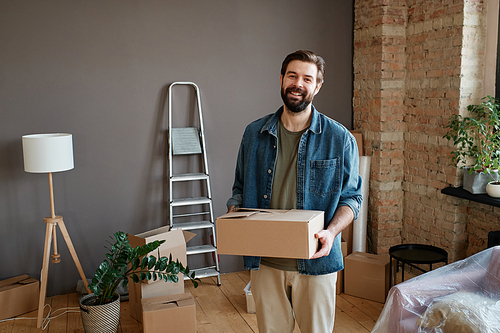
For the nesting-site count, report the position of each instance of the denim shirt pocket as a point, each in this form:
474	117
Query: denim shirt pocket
325	176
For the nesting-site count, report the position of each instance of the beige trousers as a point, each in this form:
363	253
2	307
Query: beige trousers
283	296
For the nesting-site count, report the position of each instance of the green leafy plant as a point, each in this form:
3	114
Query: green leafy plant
477	136
123	262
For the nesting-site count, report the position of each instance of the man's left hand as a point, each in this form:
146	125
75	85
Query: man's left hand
326	238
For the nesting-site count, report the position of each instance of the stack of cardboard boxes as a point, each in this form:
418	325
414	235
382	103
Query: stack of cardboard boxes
155	303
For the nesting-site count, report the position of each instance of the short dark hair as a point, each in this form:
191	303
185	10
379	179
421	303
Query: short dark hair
306	56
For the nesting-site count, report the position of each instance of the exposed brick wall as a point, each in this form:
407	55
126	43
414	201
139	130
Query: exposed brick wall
433	93
379	93
416	62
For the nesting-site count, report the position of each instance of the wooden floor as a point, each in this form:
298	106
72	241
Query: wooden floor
218	309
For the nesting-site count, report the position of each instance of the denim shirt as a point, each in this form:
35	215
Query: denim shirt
327	177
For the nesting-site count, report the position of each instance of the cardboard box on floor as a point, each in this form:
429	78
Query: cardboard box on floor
175	244
255	232
367	276
340	274
18	295
170	313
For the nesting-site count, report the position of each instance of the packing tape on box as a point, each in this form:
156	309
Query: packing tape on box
359	225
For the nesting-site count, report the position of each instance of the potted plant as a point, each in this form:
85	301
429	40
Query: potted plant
477	141
123	262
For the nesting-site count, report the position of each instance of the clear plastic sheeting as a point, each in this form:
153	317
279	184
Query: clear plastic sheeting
462	297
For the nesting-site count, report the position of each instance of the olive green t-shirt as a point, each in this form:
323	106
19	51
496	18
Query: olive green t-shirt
284	193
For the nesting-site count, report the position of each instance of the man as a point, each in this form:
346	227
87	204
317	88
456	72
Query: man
298	158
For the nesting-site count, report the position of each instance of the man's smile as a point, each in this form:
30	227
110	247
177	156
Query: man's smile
296	92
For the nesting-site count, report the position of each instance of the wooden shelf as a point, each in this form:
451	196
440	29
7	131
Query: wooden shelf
459	192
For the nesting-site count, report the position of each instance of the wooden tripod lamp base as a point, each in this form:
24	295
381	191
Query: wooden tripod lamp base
52	223
48	153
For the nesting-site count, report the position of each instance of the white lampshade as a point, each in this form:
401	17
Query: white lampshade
48	152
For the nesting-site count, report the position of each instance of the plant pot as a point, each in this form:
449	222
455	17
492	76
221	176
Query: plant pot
476	182
493	189
100	318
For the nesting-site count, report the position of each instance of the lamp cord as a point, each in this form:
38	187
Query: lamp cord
48	318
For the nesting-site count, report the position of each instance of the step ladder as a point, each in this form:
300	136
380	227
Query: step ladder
192	213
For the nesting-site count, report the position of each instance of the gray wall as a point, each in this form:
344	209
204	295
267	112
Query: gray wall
100	69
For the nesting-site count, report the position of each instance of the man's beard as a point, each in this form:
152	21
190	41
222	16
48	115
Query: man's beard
296	105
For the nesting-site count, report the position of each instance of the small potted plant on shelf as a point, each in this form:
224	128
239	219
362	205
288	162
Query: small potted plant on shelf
101	309
477	141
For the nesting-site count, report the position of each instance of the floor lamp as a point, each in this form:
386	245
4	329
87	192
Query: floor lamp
48	153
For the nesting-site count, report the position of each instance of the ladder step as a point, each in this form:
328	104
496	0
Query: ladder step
186	141
204	272
190	201
193	225
191	214
189	176
200	249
